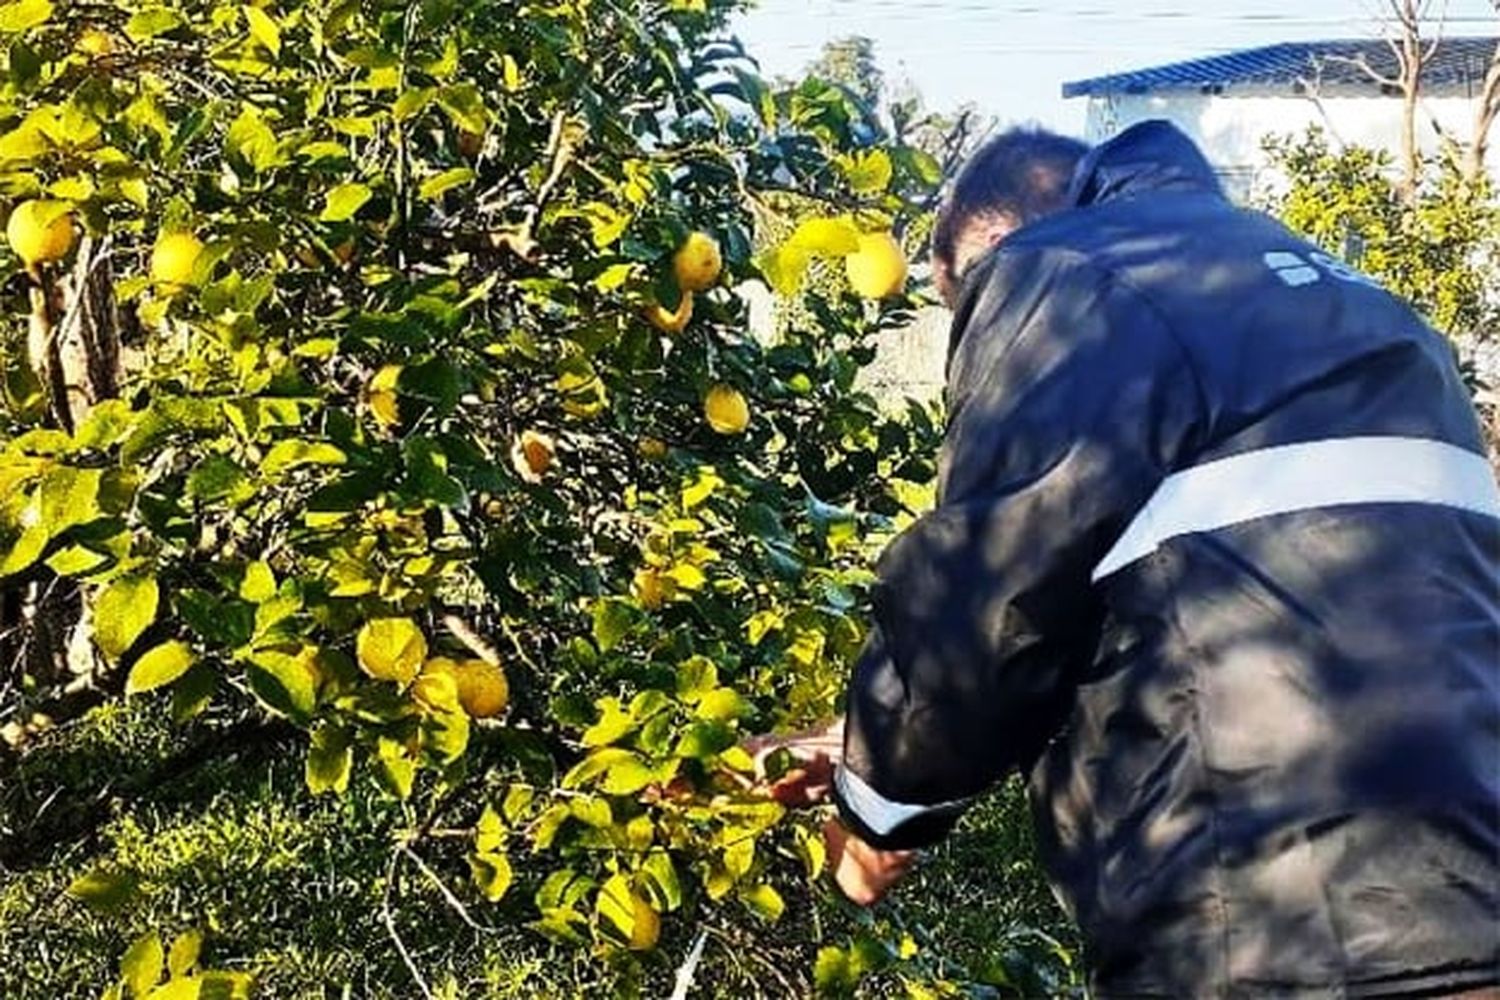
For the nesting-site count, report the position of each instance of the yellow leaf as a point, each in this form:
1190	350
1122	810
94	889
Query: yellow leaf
141	967
24	15
122	612
263	29
836	237
159	666
184	952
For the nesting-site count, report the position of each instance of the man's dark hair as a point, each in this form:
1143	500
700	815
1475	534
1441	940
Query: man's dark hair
1022	173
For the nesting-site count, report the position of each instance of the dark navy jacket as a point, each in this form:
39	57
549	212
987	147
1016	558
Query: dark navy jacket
1216	564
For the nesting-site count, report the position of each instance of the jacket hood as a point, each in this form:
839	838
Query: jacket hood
1149	157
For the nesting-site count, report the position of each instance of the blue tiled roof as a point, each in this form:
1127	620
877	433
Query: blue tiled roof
1459	62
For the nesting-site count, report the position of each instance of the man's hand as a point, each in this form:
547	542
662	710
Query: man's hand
863	873
816	753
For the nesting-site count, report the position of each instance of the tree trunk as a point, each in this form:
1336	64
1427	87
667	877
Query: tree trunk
1485	113
73	343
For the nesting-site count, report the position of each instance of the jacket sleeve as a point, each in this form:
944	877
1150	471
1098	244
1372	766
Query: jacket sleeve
1069	400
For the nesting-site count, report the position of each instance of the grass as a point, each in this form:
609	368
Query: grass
295	888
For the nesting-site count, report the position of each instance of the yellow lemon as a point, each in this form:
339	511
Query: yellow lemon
381	398
645	928
437	685
531	455
40	231
173	259
391	649
94	42
671	321
726	410
482	688
877	269
697	263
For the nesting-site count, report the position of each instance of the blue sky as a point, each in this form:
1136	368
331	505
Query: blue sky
1011	57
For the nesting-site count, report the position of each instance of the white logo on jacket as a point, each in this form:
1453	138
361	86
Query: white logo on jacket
1297	271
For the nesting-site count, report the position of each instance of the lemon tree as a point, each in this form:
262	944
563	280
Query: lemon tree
446	464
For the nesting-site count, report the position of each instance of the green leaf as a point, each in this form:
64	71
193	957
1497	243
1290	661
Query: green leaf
464	107
107	424
868	172
784	268
251	140
219	985
141	967
445	735
412	102
214	478
616	905
147	24
763	901
183	954
105	889
489	831
627	775
122	611
292	453
435	187
661	879
340	204
831	971
25	550
813	851
722	705
395	771
614	722
76	560
286	684
24	15
263	29
696	675
259	583
593	765
739	856
702	740
159	666
330	759
193	691
613	620
69	497
492	874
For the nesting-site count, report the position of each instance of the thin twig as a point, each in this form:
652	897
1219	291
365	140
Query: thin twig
453	901
390	924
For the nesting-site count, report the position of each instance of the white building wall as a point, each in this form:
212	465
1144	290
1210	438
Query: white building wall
1230	128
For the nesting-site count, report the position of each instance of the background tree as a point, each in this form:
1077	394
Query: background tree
1439	248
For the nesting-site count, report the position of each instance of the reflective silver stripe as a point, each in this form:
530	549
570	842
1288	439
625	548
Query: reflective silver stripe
1297	477
878	812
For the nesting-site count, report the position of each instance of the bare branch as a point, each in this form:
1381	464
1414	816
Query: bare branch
1487	110
1361	63
389	920
452	900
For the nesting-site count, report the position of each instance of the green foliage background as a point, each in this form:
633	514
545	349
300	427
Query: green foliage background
479	200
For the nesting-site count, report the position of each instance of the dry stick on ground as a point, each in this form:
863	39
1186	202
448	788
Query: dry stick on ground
452	900
387	918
